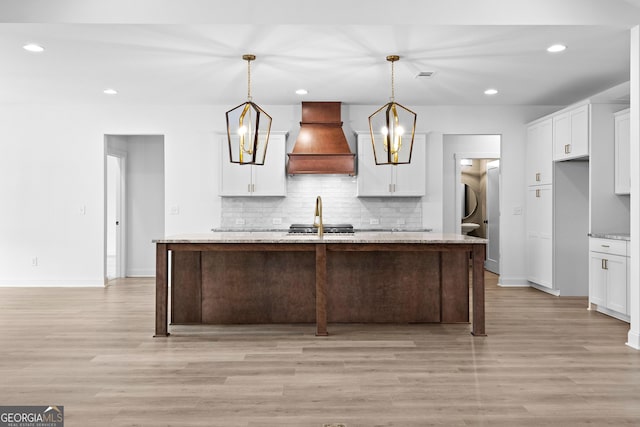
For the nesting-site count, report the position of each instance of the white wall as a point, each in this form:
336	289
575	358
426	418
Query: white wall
53	165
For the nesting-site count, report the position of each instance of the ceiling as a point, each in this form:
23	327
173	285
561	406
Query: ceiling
189	64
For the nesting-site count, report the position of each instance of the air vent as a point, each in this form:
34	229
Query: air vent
425	74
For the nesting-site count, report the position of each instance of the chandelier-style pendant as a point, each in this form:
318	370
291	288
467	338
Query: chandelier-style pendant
392	129
248	128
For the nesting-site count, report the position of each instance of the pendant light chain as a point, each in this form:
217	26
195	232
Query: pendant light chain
393	89
249	79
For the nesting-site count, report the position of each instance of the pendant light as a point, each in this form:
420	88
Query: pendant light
248	128
392	129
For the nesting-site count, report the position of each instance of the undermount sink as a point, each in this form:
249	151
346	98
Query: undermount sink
468	227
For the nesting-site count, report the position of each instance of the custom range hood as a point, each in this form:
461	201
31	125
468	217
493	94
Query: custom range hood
321	146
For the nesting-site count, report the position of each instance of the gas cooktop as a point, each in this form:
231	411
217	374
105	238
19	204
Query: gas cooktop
328	229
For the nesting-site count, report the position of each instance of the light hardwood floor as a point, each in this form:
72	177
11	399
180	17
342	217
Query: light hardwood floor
545	361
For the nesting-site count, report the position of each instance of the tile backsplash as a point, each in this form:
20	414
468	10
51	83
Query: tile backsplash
339	205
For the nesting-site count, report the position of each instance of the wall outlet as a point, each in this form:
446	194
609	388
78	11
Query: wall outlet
517	210
82	210
374	221
277	221
174	210
34	261
239	221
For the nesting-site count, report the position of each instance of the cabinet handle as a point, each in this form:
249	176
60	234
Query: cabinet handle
538	192
390	190
605	246
538	177
394	188
253	188
605	264
248	188
567	149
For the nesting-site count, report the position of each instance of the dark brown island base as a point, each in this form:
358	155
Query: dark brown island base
274	277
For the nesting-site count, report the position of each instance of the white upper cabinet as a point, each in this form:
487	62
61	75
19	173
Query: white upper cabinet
539	153
248	180
622	153
571	133
389	180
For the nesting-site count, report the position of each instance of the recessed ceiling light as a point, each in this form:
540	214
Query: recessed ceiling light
556	48
491	91
31	47
110	92
302	92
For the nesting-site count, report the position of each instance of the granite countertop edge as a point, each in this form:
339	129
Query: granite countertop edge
612	236
358	237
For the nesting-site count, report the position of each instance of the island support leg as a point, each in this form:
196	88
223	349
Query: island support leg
321	290
478	255
162	290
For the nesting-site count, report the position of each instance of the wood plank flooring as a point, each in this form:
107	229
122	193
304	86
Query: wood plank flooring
546	361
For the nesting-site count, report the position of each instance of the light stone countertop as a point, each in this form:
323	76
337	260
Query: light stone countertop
612	236
357	237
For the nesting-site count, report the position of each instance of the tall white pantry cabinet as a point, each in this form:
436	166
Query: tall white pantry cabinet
570	191
539	219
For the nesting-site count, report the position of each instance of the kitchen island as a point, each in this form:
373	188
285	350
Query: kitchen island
275	277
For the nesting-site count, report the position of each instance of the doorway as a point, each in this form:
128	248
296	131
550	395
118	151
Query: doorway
134	204
476	151
115	179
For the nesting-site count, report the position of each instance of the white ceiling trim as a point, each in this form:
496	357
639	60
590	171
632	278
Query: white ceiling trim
373	12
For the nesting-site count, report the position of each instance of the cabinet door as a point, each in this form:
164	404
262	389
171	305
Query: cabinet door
579	132
616	267
540	153
409	180
539	220
597	279
235	179
373	180
622	165
571	134
270	179
561	136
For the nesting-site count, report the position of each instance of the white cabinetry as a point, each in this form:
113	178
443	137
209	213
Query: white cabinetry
391	180
571	133
608	276
539	222
539	213
622	166
539	153
250	180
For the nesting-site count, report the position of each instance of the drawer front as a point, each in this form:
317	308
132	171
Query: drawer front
608	246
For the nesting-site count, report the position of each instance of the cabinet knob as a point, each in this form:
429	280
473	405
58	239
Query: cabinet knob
605	265
538	177
538	192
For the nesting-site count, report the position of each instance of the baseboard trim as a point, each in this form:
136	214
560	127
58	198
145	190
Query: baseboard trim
516	282
141	272
633	340
57	283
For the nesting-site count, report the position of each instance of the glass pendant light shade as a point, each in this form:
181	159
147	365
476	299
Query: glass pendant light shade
248	128
392	129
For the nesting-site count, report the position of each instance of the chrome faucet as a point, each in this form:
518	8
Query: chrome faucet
317	217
